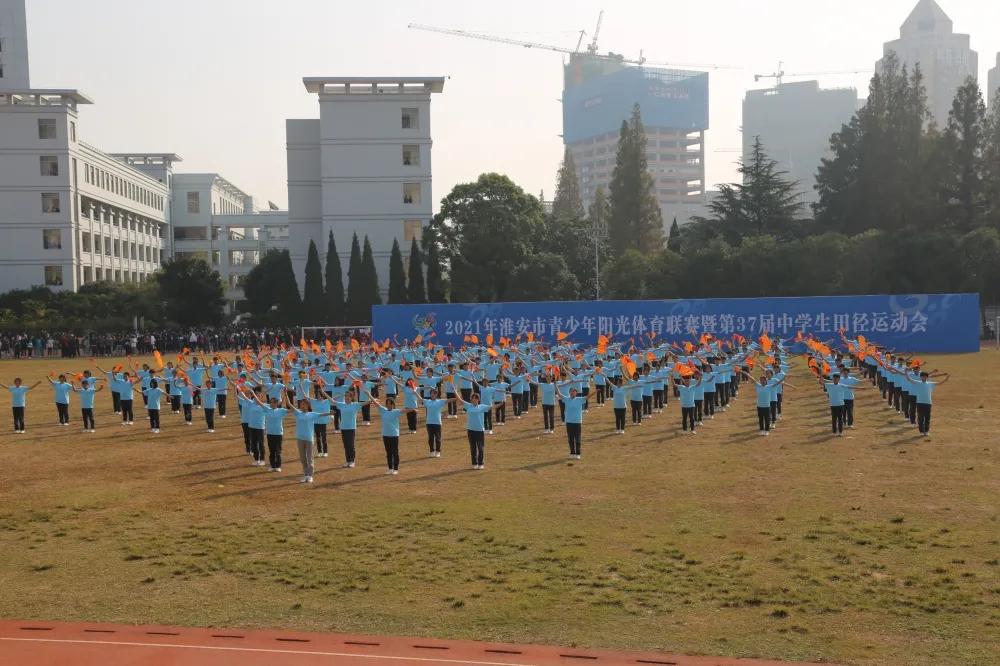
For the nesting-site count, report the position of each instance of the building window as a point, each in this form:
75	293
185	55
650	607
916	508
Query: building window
411	193
46	128
194	203
411	155
107	246
118	276
88	275
116	248
411	119
133	253
216	257
72	131
190	233
85	241
412	229
50	202
52	239
53	276
48	165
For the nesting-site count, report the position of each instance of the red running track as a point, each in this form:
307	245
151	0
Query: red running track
84	644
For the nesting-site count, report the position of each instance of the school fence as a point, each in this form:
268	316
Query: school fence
943	323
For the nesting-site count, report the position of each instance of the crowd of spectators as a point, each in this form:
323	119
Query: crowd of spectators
70	344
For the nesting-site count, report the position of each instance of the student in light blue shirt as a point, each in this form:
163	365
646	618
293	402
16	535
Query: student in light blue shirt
208	401
274	427
18	401
125	385
348	408
475	429
87	393
61	389
835	392
305	431
687	393
574	420
154	394
433	408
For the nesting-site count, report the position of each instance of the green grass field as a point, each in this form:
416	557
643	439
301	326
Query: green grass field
878	548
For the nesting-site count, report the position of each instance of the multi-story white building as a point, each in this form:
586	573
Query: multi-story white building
794	122
927	38
993	86
217	222
364	166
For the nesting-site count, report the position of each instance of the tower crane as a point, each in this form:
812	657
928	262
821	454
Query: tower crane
592	49
780	74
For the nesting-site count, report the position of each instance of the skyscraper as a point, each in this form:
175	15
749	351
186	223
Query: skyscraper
927	38
13	46
794	122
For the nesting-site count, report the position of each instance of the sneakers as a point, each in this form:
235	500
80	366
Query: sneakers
489	432
187	423
395	472
210	430
767	433
277	469
222	416
388	472
761	434
155	431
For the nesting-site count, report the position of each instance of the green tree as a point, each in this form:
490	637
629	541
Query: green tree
627	276
544	276
484	230
436	287
272	294
991	162
636	221
397	275
568	232
356	306
335	305
598	217
314	310
415	291
370	292
765	201
674	239
884	169
192	291
568	204
963	145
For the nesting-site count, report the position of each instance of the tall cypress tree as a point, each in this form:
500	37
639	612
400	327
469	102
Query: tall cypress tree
963	147
370	292
313	296
397	277
355	289
991	161
674	239
636	221
334	284
568	204
435	272
415	292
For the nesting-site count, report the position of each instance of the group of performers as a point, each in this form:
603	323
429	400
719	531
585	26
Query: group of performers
344	386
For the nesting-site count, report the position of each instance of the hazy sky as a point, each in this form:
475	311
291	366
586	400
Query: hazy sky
214	80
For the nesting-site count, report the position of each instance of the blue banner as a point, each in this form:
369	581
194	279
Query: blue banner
944	323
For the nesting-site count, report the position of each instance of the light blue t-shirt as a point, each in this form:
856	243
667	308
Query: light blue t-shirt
688	394
153	396
274	420
433	408
923	391
349	414
764	393
209	397
836	392
62	391
304	422
574	409
255	415
474	417
17	395
321	406
125	389
87	397
390	421
548	393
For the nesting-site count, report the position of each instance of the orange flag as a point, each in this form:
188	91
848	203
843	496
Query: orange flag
474	339
765	343
329	346
531	336
492	352
561	336
688	347
417	340
489	339
355	345
340	346
159	360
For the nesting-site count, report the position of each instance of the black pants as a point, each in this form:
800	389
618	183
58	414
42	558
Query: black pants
647	405
246	435
910	408
391	445
116	401
764	418
434	437
336	420
657	398
515	400
636	411
196	397
319	430
501	412
466	394
175	403
601	394
145	398
533	395
849	412
187	413
366	413
18	418
562	411
452	405
347	437
274	450
154	420
126	407
709	404
488	419
687	416
63	411
837	418
781	396
526	401
722	394
697	411
220	401
477	446
411	421
88	417
773	409
620	418
549	417
210	418
923	417
256	443
574	432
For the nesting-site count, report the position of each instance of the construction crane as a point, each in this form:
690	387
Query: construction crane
592	49
780	75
